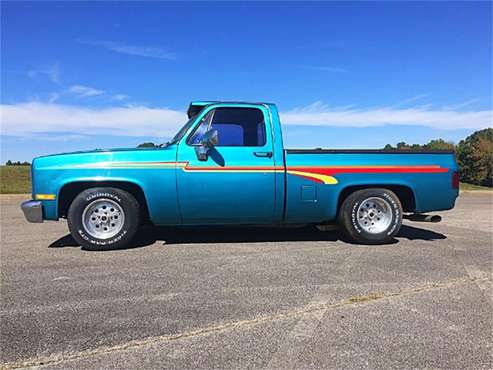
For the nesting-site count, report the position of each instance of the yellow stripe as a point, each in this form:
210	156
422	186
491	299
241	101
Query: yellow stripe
329	180
45	196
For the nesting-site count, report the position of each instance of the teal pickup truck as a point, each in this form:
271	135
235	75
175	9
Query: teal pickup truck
228	165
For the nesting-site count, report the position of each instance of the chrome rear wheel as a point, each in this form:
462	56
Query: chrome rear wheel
374	215
371	216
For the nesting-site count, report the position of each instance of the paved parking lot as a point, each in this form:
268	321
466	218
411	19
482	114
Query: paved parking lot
256	297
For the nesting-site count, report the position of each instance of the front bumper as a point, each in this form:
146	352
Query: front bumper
33	211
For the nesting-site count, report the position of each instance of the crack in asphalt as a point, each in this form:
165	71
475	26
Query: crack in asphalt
308	309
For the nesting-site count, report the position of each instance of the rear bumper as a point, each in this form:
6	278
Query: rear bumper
33	211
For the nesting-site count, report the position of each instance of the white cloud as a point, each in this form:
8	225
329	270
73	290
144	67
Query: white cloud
120	97
81	91
52	72
319	114
412	99
464	104
54	97
85	91
35	117
59	137
142	51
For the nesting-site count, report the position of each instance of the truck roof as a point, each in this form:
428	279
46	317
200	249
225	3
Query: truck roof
197	105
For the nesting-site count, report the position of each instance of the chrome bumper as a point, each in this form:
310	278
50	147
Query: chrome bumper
33	210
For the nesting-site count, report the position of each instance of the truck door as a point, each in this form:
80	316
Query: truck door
236	182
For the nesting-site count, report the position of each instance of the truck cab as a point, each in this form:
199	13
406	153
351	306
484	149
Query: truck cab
220	178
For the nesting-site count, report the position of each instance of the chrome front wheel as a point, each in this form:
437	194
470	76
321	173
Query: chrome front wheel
103	218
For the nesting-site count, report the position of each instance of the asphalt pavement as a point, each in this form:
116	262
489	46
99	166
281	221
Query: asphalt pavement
250	297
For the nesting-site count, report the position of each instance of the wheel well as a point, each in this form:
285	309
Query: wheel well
71	190
404	193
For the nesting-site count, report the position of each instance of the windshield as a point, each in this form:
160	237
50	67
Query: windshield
182	131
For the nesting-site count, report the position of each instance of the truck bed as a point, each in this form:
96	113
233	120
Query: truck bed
317	178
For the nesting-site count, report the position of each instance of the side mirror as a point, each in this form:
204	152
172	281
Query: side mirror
210	138
208	141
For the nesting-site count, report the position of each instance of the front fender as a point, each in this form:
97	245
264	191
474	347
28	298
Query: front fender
158	191
153	171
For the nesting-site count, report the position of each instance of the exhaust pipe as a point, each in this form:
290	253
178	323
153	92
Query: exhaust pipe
417	217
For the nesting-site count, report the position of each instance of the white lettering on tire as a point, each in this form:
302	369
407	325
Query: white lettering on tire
102	242
353	217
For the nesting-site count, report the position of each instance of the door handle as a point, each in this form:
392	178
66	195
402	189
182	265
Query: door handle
263	154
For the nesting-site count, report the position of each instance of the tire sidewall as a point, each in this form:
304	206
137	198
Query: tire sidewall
396	218
84	199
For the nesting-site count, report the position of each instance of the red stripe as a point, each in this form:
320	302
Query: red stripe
333	171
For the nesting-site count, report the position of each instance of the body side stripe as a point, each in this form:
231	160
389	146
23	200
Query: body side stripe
320	174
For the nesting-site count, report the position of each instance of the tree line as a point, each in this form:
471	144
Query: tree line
17	163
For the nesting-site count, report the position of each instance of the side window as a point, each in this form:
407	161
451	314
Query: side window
236	127
201	129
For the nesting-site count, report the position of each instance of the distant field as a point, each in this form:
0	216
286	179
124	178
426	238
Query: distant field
17	180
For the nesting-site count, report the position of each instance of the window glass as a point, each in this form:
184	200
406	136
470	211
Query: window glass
201	129
235	126
230	134
239	126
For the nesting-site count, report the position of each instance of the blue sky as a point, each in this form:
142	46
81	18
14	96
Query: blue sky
344	74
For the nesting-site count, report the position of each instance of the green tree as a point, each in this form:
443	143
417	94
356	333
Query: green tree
402	146
17	163
146	145
439	145
475	158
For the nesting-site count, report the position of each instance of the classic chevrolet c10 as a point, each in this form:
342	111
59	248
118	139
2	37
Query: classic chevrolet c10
227	165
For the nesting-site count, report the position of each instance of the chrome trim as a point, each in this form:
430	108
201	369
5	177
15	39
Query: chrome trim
33	211
272	134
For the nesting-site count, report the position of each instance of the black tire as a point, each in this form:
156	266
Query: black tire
128	205
352	227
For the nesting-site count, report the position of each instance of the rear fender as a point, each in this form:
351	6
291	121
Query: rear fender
403	189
